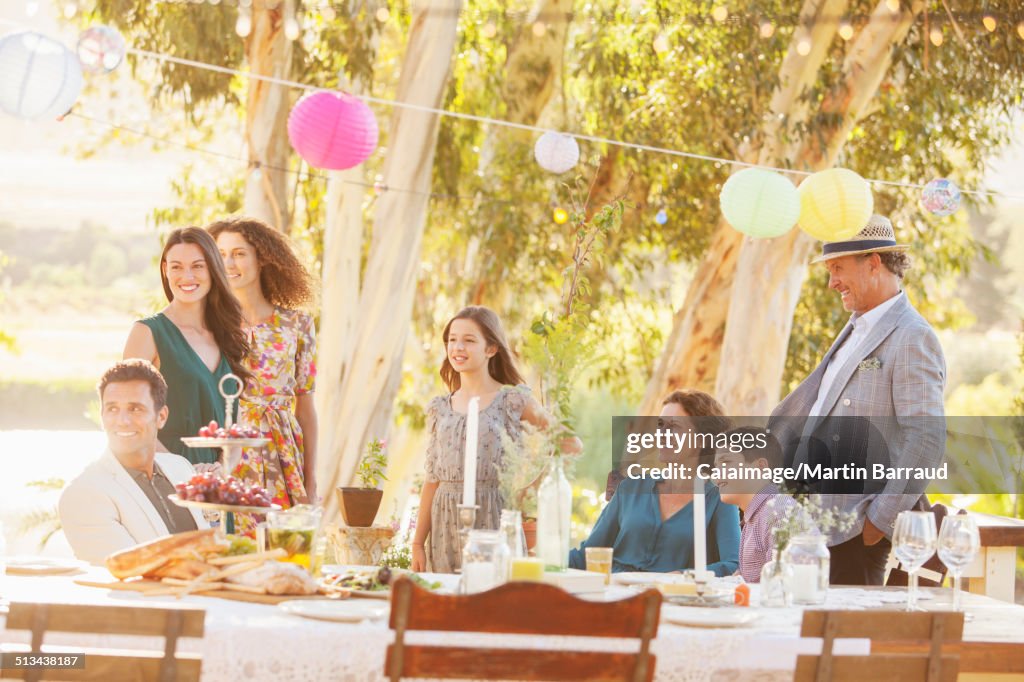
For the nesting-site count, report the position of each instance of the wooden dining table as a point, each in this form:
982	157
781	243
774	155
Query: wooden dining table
262	642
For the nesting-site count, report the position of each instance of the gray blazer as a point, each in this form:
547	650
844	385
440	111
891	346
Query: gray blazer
899	389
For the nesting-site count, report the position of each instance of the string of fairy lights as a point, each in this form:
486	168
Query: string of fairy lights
959	21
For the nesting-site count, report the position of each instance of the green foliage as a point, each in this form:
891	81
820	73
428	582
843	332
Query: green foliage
397	556
373	465
200	200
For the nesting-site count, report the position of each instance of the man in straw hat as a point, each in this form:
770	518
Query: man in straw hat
886	367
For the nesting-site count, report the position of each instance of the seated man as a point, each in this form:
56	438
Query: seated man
762	504
120	500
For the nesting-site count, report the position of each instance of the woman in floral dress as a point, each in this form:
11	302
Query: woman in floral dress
271	285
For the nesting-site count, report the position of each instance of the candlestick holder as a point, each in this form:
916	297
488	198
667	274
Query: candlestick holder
467	520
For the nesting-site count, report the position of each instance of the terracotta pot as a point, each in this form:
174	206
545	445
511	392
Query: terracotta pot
359	505
530	531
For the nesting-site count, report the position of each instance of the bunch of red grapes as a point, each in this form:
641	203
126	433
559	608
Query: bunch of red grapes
213	430
208	487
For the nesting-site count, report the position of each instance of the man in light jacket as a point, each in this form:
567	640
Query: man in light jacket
120	500
876	398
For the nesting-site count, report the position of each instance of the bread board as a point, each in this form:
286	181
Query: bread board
143	586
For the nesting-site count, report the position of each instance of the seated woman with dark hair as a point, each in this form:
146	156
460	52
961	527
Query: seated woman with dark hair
649	523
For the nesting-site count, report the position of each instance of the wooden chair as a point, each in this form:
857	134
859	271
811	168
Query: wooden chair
912	646
111	664
520	608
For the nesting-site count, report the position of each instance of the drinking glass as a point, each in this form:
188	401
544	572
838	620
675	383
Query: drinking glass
959	542
295	530
599	560
914	541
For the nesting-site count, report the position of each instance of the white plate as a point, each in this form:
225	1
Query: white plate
42	565
641	578
216	506
340	611
696	616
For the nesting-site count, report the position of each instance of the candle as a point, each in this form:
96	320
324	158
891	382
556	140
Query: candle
469	464
804	585
700	559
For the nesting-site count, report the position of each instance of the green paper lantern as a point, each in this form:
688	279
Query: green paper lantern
760	203
835	204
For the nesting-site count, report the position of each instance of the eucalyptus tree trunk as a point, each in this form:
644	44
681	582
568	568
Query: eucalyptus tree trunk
693	353
770	273
359	377
268	53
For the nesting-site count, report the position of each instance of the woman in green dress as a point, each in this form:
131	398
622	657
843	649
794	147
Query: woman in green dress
194	341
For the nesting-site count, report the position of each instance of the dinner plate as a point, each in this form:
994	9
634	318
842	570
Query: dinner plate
699	617
340	611
42	565
642	578
200	442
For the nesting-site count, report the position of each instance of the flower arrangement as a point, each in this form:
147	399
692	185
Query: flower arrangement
522	466
808	517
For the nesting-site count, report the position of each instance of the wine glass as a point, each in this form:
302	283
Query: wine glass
959	542
914	541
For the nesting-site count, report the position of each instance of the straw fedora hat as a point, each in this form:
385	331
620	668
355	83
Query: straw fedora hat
876	237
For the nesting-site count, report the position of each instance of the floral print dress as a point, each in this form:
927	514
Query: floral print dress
282	359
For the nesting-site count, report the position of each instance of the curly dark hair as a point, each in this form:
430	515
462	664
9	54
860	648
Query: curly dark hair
223	313
896	262
708	412
283	279
136	370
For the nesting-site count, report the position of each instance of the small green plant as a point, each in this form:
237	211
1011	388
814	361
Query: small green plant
809	517
375	463
397	556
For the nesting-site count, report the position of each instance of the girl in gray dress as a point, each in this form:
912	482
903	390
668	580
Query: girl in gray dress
478	364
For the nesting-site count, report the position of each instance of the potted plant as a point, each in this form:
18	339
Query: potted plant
359	505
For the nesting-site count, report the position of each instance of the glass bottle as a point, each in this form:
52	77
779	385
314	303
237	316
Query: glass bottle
776	576
808	558
554	513
511	526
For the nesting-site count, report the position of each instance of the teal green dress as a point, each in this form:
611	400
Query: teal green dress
193	397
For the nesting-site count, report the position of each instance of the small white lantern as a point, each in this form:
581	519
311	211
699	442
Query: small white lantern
40	78
556	152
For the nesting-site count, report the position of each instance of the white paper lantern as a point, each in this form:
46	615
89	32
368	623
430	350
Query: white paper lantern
556	152
39	77
760	203
100	49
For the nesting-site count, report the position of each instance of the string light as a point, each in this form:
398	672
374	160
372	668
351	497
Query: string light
720	14
70	10
1020	30
560	216
328	14
243	25
893	5
845	30
489	30
31	9
661	43
989	22
803	46
767	29
383	14
291	26
539	28
935	35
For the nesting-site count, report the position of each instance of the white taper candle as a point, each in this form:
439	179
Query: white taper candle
469	464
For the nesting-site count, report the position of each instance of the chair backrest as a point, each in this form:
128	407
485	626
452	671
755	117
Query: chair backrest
527	609
106	664
913	648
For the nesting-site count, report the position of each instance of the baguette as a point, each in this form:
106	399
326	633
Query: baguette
146	558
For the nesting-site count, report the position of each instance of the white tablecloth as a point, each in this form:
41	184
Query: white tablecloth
258	642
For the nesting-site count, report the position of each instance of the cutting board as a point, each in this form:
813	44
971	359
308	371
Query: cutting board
144	586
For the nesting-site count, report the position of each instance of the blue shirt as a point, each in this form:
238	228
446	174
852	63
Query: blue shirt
632	525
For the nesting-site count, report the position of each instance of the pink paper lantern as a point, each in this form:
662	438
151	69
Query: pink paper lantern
332	130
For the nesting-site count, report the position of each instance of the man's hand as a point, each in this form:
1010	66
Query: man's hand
871	534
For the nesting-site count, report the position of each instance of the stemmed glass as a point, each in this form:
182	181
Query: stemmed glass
914	542
959	542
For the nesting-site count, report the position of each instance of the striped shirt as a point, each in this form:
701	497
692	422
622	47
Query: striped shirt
759	520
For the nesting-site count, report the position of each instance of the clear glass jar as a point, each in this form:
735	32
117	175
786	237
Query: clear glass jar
554	513
511	526
776	576
808	558
485	561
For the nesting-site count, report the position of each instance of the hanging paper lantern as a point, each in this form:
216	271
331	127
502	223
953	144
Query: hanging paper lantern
835	204
661	217
332	130
556	152
100	49
39	77
941	197
760	203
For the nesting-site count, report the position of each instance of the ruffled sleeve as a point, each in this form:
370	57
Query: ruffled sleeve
433	446
516	400
305	355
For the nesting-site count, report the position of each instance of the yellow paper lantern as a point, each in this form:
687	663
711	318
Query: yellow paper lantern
760	203
835	204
